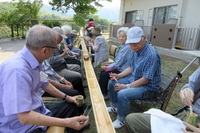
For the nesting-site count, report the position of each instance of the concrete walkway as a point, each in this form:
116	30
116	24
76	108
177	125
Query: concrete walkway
176	54
9	47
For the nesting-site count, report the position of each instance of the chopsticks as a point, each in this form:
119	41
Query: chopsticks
191	112
114	77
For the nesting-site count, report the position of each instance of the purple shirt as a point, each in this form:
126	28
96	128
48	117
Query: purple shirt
20	91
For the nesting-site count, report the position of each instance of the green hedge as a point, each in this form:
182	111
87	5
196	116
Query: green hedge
5	32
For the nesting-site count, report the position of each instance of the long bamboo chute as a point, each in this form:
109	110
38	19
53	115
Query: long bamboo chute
102	117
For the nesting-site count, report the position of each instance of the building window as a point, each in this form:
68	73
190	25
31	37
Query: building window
163	14
131	17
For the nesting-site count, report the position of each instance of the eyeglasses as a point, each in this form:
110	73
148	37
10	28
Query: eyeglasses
49	47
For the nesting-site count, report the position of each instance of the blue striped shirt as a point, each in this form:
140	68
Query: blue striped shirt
146	63
121	58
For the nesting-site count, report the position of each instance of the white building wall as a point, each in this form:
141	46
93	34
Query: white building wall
187	10
190	16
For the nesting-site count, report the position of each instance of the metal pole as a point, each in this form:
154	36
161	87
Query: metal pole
188	65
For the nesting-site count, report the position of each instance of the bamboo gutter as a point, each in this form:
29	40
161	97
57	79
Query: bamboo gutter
102	117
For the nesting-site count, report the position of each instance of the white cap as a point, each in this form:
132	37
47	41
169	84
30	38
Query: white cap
134	34
74	32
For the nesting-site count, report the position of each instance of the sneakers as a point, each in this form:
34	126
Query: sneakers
112	109
118	124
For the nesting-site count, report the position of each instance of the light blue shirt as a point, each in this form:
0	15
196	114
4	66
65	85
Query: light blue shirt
121	58
20	88
146	63
194	85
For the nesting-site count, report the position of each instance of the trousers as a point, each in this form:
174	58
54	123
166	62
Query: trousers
62	110
103	81
141	122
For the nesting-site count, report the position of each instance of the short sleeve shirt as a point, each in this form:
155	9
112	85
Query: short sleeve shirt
21	89
146	63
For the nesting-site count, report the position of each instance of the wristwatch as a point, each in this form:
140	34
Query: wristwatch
127	85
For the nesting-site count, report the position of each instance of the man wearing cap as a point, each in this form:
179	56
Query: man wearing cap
70	43
74	52
143	74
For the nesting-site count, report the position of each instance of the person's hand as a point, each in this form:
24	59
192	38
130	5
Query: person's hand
68	85
90	44
119	87
106	69
65	52
67	49
92	41
78	122
71	99
73	57
69	45
187	96
103	67
114	76
193	128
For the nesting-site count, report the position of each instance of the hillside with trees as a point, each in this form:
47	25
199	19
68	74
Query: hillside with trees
16	18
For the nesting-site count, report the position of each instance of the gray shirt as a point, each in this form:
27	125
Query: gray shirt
101	50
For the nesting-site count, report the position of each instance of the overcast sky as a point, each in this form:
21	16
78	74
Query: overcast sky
113	4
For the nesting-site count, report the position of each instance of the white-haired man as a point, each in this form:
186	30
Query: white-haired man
21	83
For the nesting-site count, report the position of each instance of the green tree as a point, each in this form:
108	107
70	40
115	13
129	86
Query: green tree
5	10
82	8
51	23
28	11
23	12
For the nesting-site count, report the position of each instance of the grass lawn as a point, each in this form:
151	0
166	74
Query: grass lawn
172	65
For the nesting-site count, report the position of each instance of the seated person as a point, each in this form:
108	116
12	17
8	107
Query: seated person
76	39
72	58
120	63
100	47
71	34
21	107
70	72
190	96
58	81
143	74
